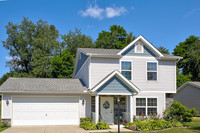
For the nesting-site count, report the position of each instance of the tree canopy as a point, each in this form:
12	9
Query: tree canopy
163	50
115	38
190	51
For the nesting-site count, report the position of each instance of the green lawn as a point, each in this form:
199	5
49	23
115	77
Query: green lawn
194	128
1	129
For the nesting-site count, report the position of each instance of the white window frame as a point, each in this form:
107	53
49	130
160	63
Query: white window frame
139	43
127	70
146	107
151	71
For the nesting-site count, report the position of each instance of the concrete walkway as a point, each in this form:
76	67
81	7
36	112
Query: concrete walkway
113	128
45	129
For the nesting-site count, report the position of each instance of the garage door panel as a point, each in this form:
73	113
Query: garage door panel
45	111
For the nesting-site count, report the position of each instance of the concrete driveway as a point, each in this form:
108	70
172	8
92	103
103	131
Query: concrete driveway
45	129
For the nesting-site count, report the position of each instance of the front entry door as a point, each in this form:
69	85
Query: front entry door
107	110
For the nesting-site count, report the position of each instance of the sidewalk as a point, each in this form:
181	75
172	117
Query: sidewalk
113	128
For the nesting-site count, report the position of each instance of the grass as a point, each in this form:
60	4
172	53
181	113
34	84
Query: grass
193	127
1	128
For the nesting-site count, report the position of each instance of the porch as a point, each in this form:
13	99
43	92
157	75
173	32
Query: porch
105	108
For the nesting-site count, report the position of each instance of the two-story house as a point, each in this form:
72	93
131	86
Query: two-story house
139	74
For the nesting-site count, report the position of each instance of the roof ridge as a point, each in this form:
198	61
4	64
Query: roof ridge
39	78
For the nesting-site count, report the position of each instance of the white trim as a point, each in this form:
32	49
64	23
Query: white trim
152	71
175	76
132	57
123	94
81	67
126	70
118	74
32	96
186	83
164	101
90	73
2	106
96	109
147	42
131	108
141	44
157	91
146	107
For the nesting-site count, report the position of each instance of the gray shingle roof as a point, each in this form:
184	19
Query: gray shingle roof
195	83
43	85
99	51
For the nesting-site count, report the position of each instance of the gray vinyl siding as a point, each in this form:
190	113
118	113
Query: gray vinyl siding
101	67
114	85
131	52
84	73
166	80
189	96
81	61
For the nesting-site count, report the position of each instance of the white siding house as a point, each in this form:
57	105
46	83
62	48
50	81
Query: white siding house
139	75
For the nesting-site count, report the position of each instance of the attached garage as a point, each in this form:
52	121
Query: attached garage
45	111
44	101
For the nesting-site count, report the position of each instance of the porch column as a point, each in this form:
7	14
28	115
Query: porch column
131	108
96	109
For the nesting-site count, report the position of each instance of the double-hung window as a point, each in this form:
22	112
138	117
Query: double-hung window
126	69
146	106
152	71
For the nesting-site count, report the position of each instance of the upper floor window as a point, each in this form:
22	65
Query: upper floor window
139	48
151	70
126	69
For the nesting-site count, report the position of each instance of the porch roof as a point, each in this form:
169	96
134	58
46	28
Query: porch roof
115	83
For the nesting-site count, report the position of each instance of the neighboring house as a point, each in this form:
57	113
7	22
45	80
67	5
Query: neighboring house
139	74
188	94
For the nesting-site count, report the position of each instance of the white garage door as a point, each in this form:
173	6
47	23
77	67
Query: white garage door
45	111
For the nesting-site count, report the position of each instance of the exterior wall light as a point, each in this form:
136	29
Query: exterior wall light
83	101
7	102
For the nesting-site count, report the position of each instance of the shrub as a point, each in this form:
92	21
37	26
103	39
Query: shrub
102	125
85	119
88	125
150	124
176	123
179	112
4	124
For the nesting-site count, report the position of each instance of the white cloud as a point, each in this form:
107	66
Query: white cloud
99	13
8	58
114	11
94	12
192	12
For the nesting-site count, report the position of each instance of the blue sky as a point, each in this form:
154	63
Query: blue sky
162	22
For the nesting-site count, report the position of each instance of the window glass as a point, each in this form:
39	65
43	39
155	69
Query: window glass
141	111
152	111
140	101
152	101
151	70
126	69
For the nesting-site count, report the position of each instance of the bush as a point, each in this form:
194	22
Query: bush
176	123
102	125
150	124
4	124
88	125
85	119
179	112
